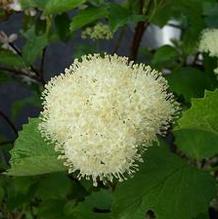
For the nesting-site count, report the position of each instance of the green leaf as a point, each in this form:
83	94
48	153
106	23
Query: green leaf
100	200
34	46
210	11
197	130
52	209
120	16
33	4
165	185
8	58
87	16
62	25
31	155
165	56
19	190
189	82
57	6
94	206
53	186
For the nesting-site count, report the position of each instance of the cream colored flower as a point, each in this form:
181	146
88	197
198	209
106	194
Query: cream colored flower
98	32
15	5
209	42
103	113
6	40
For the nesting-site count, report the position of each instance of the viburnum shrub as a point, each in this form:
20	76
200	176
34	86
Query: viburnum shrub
129	130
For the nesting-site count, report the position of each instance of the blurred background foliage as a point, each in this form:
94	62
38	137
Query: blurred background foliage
39	38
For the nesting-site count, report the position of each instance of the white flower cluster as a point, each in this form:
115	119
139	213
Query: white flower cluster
11	5
209	42
15	5
103	113
98	32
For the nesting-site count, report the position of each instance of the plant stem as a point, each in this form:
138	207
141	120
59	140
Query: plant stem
19	72
42	66
10	123
20	54
139	31
15	49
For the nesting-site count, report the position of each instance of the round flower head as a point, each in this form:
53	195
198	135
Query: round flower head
103	113
209	42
